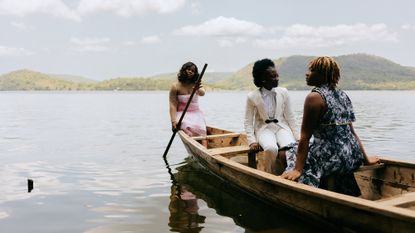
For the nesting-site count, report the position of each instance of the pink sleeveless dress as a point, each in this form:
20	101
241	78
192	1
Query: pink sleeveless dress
193	120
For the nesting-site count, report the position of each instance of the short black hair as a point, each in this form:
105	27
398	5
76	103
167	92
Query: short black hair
182	76
259	70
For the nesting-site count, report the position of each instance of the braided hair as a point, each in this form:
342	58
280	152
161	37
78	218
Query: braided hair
328	68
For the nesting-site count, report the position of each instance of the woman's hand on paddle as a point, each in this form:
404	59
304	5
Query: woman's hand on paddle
198	85
199	88
174	126
291	175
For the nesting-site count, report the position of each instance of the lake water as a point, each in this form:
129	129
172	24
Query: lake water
96	162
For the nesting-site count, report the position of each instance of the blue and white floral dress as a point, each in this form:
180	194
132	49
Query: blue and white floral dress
334	150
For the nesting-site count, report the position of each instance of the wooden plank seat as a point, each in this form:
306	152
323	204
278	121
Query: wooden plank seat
215	136
403	200
329	182
229	150
236	150
252	154
370	167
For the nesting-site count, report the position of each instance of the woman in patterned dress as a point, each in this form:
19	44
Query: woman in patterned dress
193	123
336	150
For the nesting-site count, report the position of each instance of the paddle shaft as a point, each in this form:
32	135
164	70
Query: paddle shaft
184	111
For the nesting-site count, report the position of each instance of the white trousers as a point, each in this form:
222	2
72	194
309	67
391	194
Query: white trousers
271	139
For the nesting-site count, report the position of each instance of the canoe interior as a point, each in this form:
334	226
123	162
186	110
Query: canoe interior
392	182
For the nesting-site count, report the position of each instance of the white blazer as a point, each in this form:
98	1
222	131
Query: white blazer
256	114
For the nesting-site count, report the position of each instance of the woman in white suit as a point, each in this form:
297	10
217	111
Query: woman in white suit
269	119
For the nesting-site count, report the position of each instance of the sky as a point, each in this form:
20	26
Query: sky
104	39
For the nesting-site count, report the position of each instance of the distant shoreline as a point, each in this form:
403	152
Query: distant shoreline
359	72
223	90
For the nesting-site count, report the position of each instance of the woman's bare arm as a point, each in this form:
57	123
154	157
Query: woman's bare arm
369	160
313	108
173	105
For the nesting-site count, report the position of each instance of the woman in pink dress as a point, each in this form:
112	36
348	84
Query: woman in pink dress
193	123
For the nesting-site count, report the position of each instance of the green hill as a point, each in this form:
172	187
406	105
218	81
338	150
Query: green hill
133	84
208	77
73	78
358	71
31	80
361	71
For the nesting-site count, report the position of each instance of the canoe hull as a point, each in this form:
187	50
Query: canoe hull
326	207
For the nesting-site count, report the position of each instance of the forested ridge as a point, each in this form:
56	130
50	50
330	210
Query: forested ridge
358	72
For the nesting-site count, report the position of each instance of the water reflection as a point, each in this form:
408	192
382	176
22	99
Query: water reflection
191	183
183	207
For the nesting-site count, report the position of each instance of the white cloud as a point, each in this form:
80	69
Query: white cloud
3	215
13	52
20	26
195	6
224	43
304	36
59	8
229	31
230	41
146	40
23	8
130	43
222	26
226	28
90	44
150	40
408	27
128	8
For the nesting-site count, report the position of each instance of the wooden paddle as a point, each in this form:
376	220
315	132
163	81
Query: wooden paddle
184	111
172	178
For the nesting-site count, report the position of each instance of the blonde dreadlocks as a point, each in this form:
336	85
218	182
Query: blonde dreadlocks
328	68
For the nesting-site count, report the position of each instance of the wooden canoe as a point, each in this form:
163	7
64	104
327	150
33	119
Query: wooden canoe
387	203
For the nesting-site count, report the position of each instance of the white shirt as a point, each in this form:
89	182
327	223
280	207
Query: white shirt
270	102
